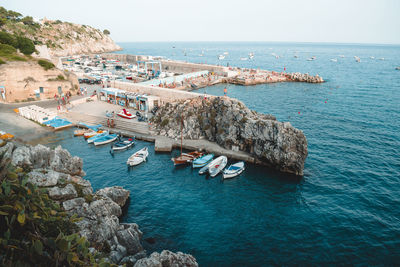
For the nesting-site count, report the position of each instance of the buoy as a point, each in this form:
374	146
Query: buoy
299	112
325	102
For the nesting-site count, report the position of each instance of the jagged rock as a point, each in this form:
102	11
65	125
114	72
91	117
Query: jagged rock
40	156
229	123
116	193
105	207
72	203
6	152
167	259
129	237
68	192
46	178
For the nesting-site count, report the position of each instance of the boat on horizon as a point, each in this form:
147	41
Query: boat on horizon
221	57
333	59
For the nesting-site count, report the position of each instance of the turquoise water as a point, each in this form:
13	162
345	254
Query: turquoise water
346	208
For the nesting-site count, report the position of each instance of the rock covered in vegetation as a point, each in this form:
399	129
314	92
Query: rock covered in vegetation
229	123
59	172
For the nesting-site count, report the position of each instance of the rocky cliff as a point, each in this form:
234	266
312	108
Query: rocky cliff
232	125
59	38
61	175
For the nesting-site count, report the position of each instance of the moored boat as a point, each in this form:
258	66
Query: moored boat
91	134
105	139
217	165
123	144
93	138
138	157
204	169
81	132
233	170
185	158
202	161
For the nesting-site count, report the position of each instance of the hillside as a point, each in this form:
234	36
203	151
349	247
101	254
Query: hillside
60	38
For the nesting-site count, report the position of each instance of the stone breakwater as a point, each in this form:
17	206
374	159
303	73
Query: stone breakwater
253	77
61	175
229	123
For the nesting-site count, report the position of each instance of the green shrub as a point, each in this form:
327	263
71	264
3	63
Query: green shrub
45	64
2	61
7	38
25	45
6	50
106	32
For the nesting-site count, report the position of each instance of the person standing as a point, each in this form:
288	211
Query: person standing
225	91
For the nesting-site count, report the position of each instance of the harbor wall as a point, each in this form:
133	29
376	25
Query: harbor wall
169	65
166	94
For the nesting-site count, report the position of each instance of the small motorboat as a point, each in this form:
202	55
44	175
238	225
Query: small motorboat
397	68
357	59
91	134
138	157
128	77
93	138
244	58
125	114
221	57
81	132
202	161
217	165
185	158
123	144
233	170
105	139
204	170
5	136
333	59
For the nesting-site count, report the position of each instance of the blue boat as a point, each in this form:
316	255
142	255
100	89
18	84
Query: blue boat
92	139
105	139
202	161
123	144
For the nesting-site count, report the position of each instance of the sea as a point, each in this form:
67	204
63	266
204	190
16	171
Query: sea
345	210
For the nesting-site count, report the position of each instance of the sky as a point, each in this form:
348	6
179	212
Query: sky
339	21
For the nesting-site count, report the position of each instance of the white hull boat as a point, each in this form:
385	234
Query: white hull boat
138	157
217	165
233	170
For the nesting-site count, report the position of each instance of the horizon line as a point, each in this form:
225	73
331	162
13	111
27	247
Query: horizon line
299	42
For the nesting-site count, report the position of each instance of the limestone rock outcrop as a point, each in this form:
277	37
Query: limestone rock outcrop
229	123
60	173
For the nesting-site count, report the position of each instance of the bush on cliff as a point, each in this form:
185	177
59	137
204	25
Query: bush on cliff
25	45
45	64
35	231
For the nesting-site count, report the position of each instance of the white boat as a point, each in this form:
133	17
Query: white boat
333	59
357	59
138	157
382	58
244	58
94	138
221	57
233	170
372	57
342	56
226	53
105	139
217	165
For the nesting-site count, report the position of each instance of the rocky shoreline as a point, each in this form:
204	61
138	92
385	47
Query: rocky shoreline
62	176
232	125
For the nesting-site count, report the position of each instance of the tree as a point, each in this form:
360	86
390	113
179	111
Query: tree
25	45
2	21
13	15
28	20
107	32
